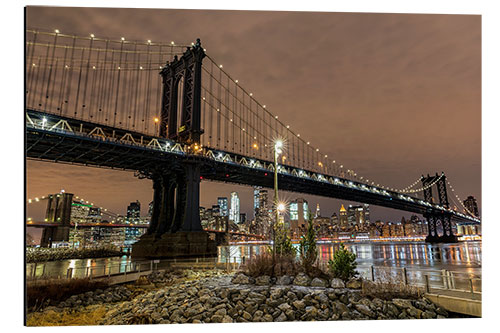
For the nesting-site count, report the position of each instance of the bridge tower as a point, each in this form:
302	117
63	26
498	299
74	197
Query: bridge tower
434	219
59	213
180	117
175	228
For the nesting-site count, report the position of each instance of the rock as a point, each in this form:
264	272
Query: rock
365	310
317	282
268	318
302	280
281	317
428	314
402	303
353	284
216	319
242	279
247	316
284	307
299	304
414	312
284	280
227	319
263	280
337	283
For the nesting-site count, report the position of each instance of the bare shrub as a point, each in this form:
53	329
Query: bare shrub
39	292
262	264
387	287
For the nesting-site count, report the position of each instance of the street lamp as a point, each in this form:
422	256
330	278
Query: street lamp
156	124
278	145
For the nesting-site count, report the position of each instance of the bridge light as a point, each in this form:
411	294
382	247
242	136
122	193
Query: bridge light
308	142
140	67
93	67
276	117
264	106
156	120
123	39
36	199
236	81
172	42
92	36
29	200
149	41
317	149
251	94
220	66
56	31
255	146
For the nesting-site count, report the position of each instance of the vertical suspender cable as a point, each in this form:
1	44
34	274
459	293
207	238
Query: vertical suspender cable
63	82
50	74
87	68
118	83
79	82
70	75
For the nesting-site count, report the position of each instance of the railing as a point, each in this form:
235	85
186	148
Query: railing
430	280
38	271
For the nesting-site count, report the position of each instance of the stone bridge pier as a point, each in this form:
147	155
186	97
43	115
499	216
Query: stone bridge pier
175	228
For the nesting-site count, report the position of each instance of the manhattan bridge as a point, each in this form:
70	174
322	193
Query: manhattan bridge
170	113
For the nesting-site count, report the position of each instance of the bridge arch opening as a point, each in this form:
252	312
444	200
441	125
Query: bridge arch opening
180	103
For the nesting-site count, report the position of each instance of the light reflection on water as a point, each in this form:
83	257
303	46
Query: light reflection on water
459	256
464	256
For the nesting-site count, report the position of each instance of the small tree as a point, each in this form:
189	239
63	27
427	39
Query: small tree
343	265
308	249
284	245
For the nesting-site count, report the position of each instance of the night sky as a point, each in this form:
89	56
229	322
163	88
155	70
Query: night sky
392	96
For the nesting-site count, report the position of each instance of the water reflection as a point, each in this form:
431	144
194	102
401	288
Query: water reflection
464	257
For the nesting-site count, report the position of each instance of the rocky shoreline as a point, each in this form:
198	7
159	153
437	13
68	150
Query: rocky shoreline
216	297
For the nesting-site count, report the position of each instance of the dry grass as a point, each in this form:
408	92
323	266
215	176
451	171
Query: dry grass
39	292
263	265
91	316
388	287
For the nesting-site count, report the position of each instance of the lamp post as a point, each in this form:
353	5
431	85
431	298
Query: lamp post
277	150
156	125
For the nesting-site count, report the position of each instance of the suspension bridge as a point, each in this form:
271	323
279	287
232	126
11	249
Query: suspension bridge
172	114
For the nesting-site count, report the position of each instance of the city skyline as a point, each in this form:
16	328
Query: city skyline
370	105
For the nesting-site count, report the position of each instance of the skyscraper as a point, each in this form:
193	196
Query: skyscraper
471	204
299	214
234	212
134	212
318	213
223	209
343	217
256	200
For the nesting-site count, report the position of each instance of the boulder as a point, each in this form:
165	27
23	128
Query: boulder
302	280
337	283
284	280
402	303
317	282
242	279
263	280
353	284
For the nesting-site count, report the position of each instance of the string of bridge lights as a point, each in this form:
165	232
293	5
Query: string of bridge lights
341	166
349	172
91	36
459	200
38	199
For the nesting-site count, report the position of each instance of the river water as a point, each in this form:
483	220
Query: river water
463	258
